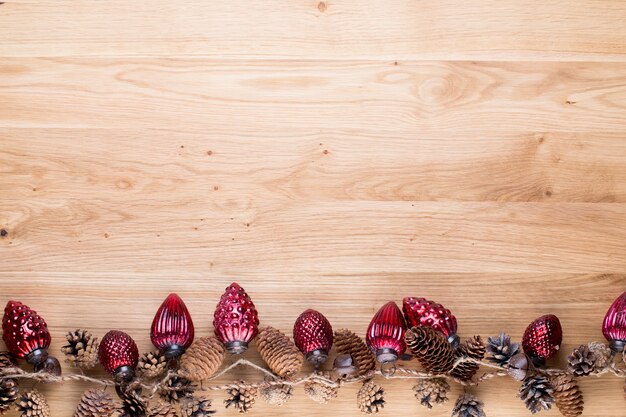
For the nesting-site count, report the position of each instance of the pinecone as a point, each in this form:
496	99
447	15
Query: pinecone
202	359
473	348
320	391
371	398
7	360
33	404
82	349
431	391
431	348
151	364
537	393
95	403
588	359
132	405
347	342
197	408
241	398
277	394
162	409
569	398
279	352
603	355
8	394
468	405
501	349
175	389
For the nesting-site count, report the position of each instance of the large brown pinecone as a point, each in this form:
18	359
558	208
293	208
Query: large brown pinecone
473	348
81	349
9	392
276	394
588	359
197	408
348	342
33	404
320	390
431	391
175	389
162	409
537	393
95	403
468	405
569	398
202	359
279	352
431	348
241	398
371	398
151	364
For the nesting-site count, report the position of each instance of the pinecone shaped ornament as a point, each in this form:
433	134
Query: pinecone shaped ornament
423	312
172	328
26	336
614	324
542	339
235	319
118	355
313	335
385	334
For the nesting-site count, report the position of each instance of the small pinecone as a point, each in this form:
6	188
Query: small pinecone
279	352
603	355
7	360
202	359
320	391
277	394
468	406
175	389
569	398
82	349
473	348
588	359
241	398
501	349
431	348
132	406
95	403
537	393
8	394
162	409
348	342
33	404
431	391
197	408
151	364
371	398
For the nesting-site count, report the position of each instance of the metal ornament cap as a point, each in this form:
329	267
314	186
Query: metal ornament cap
614	324
542	338
385	333
23	330
313	335
423	312
172	329
235	320
118	354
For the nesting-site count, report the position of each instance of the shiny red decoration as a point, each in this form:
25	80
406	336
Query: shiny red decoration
313	335
614	325
385	334
235	319
172	328
542	338
118	354
23	330
423	312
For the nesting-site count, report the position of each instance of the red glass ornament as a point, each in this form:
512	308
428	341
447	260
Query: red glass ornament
172	328
614	325
423	312
385	334
542	338
235	319
313	335
118	355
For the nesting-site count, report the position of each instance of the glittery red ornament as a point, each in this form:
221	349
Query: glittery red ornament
235	319
172	328
542	338
313	335
385	334
118	355
614	325
423	312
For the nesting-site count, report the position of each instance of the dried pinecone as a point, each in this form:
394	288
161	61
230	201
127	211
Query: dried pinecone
132	405
473	348
569	398
371	398
537	393
95	403
33	404
277	394
320	390
603	355
8	394
197	408
202	359
7	360
431	348
162	409
501	349
151	364
587	359
241	398
347	342
81	349
468	405
431	391
175	389
279	352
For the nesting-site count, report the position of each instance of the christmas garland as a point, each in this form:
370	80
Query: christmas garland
173	379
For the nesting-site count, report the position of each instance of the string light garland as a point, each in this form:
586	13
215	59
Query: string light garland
174	380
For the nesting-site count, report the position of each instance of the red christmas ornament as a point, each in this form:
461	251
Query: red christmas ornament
614	325
313	335
235	319
422	312
385	334
118	355
26	335
542	338
172	328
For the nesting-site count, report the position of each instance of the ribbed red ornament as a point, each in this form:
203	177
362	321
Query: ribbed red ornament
542	338
385	334
23	330
235	319
172	328
614	325
313	335
118	355
423	312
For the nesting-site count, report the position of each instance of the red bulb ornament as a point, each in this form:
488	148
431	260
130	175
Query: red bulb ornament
614	324
423	312
236	320
172	329
542	338
385	334
313	335
118	355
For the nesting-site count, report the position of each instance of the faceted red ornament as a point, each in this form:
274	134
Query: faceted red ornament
542	338
385	334
614	325
235	319
422	312
172	328
118	355
313	335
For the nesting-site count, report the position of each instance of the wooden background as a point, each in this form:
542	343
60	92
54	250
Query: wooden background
327	154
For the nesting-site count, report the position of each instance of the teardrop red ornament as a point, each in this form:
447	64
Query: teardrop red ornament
542	338
236	320
614	324
423	312
385	333
313	335
118	355
172	329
